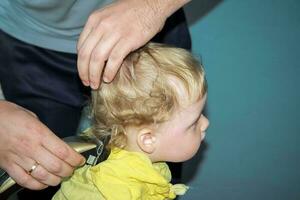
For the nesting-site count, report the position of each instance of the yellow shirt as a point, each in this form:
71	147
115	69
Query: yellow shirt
125	176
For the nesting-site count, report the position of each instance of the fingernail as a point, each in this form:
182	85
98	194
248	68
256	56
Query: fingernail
93	86
82	162
105	79
85	82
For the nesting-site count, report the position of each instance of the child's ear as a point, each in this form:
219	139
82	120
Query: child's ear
146	140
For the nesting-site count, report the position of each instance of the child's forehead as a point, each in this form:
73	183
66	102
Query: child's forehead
183	117
195	105
189	110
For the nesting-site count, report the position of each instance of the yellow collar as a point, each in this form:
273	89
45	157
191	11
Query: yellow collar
131	175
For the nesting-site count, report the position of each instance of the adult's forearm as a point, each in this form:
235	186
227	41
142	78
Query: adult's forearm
166	7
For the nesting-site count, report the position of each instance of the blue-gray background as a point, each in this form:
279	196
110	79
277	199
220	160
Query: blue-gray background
251	52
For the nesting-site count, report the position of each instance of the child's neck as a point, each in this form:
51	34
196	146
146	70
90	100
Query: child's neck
135	148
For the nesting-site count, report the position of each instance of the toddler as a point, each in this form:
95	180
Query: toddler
152	112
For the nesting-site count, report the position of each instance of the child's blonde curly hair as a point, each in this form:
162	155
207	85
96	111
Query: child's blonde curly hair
142	92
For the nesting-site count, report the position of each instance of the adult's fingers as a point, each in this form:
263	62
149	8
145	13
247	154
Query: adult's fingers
116	57
39	173
133	21
84	54
83	72
83	36
99	56
21	177
52	163
88	28
61	150
43	176
22	136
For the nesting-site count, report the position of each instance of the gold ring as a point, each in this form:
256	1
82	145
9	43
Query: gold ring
36	164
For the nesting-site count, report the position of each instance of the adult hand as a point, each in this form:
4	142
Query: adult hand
25	141
111	33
